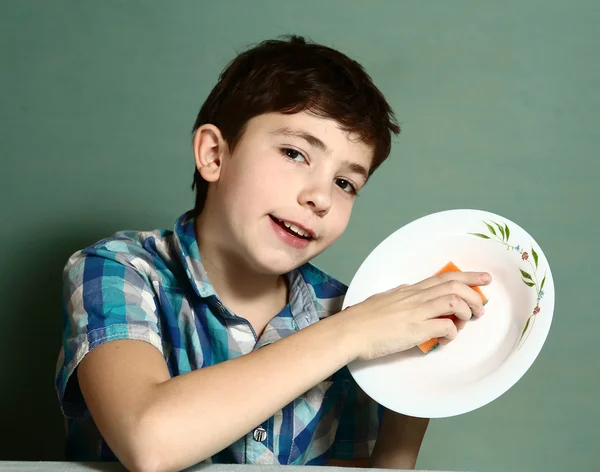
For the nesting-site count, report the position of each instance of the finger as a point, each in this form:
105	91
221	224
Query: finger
450	304
470	296
473	279
443	329
460	324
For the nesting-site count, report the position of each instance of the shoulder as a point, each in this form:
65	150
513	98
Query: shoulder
130	244
142	251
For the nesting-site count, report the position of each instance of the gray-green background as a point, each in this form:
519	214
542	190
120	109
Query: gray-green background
500	107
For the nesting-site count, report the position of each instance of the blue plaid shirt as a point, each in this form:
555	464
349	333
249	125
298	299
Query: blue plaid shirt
151	286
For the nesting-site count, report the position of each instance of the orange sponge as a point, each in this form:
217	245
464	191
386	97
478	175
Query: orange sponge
428	346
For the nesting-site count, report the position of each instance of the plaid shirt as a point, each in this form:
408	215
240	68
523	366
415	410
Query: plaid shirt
151	286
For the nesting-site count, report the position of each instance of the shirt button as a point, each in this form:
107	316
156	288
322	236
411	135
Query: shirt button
259	434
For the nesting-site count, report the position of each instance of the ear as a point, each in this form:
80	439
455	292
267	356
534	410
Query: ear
209	150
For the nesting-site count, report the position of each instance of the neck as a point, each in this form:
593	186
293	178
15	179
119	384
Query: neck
239	286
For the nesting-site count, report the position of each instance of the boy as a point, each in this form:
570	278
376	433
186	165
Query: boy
219	341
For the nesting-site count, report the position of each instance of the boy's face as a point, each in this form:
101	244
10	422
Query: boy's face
286	192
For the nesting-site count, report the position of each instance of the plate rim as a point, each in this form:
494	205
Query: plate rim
517	371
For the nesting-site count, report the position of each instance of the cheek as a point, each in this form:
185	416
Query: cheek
253	188
243	180
274	178
340	217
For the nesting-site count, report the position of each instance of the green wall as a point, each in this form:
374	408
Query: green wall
500	110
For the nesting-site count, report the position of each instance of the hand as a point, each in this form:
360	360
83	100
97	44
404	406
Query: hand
408	315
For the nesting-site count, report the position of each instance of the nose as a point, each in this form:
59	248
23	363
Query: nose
316	195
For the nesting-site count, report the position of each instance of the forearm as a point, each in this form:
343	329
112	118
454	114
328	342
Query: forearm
399	441
193	416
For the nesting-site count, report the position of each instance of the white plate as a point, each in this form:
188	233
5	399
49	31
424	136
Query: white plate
491	353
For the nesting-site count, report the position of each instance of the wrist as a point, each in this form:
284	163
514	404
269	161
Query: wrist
348	333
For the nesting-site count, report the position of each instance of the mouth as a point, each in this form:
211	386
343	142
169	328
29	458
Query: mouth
294	229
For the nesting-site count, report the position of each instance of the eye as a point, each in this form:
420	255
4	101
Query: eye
346	186
292	154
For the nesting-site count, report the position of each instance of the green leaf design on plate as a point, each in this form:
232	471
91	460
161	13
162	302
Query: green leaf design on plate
527	278
543	282
525	274
526	326
501	230
535	256
491	228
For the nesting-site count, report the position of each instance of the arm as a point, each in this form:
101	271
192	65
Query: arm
153	422
399	441
397	447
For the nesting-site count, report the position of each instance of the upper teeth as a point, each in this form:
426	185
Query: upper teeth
296	230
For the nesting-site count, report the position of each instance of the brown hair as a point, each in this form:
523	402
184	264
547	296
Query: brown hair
293	76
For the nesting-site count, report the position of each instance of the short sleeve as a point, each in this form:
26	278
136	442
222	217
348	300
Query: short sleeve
107	295
358	425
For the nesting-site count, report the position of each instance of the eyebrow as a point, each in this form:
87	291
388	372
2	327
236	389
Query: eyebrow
358	169
309	138
317	143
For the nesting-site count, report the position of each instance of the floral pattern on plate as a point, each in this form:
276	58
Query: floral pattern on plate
529	260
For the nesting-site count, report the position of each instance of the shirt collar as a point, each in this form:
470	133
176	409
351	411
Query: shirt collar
306	305
189	254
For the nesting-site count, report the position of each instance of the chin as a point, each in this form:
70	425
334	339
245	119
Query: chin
278	263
